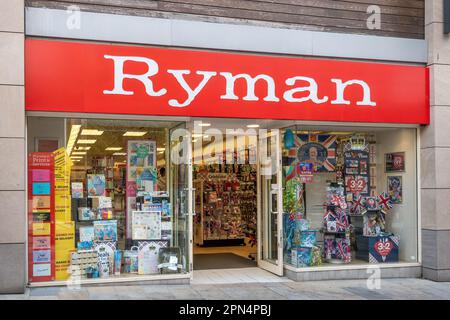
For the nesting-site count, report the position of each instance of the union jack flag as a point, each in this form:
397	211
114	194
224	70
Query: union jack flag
384	202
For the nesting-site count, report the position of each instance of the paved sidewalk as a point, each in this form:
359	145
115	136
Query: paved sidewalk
409	289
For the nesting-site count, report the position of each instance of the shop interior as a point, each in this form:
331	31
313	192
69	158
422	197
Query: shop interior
349	196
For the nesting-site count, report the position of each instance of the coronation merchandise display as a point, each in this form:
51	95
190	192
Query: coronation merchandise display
336	206
102	205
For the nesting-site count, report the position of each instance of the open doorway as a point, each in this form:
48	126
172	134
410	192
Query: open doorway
226	188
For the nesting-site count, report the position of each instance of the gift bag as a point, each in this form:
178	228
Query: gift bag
131	260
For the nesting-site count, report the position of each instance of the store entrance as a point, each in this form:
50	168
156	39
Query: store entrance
226	187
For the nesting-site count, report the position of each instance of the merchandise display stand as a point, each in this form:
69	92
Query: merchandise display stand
336	229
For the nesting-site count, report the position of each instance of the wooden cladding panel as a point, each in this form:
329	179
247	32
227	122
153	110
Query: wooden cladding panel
399	18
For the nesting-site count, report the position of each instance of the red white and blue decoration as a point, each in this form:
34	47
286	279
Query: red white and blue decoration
316	149
384	202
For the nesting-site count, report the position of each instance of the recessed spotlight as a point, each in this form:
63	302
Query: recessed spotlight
134	133
86	141
91	132
81	148
72	137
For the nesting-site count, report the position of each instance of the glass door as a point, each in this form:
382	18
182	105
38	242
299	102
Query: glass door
179	160
270	202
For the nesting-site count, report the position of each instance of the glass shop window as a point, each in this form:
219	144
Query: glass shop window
350	197
101	200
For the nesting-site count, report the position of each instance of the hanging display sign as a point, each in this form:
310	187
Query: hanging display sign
103	78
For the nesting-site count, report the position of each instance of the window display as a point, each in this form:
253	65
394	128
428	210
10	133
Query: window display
340	204
100	208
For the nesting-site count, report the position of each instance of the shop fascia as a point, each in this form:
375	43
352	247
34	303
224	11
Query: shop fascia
309	91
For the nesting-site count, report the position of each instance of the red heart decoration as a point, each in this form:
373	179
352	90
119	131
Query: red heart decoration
383	247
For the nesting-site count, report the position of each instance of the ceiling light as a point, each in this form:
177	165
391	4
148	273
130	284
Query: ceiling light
160	149
204	124
253	126
194	140
196	135
76	160
76	157
119	154
72	137
81	148
79	152
134	133
86	141
91	132
113	149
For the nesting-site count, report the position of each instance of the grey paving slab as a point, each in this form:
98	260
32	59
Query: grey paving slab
368	294
47	291
67	294
410	289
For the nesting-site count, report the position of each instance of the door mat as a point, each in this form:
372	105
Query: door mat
221	261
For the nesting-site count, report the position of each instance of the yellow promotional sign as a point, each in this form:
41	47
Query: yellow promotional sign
62	185
64	245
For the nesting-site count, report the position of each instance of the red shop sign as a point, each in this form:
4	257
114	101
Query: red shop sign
103	78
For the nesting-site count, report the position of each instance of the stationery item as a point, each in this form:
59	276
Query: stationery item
130	258
77	190
104	214
148	256
86	233
86	214
105	230
85	245
168	259
101	202
308	238
105	251
146	225
117	262
96	185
